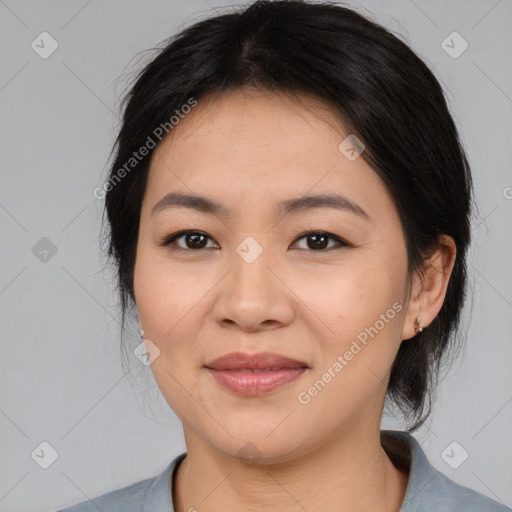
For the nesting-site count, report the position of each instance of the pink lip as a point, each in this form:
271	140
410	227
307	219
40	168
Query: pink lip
260	361
255	384
254	374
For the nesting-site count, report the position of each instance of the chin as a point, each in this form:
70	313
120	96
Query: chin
253	447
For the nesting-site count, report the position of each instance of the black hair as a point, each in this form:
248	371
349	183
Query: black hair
383	93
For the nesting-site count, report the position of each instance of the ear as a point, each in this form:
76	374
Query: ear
428	288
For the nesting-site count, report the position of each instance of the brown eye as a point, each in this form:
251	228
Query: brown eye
316	241
195	241
192	240
319	241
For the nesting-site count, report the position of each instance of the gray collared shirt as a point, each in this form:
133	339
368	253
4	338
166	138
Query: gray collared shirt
428	489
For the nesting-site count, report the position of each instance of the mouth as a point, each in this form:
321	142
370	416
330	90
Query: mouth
256	374
263	361
253	370
255	383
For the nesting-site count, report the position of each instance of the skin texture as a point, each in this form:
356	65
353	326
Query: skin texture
248	150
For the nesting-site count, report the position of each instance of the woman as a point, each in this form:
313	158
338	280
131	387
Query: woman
289	211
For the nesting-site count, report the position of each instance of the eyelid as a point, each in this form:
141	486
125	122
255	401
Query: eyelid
168	240
339	241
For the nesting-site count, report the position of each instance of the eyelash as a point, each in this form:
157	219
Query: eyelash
167	241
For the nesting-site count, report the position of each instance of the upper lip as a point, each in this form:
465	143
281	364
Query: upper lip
260	361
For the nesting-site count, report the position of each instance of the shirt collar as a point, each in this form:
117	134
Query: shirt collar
405	452
159	494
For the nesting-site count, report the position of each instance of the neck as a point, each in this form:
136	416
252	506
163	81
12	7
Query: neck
351	473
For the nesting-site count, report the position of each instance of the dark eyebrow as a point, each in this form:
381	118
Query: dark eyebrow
336	201
200	203
206	205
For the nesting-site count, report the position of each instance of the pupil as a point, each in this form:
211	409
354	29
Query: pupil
318	245
194	238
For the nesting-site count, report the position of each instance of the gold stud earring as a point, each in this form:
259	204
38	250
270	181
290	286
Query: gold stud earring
417	325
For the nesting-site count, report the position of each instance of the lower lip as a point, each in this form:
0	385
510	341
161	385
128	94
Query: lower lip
255	383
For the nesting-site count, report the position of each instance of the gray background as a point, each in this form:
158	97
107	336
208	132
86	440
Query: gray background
61	379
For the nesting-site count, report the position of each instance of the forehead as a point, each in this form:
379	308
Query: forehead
258	148
274	121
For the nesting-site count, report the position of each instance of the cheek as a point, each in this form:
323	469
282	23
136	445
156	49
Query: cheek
347	299
149	290
169	304
362	310
165	293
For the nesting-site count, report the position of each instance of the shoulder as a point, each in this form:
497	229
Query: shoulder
428	489
126	499
445	495
144	496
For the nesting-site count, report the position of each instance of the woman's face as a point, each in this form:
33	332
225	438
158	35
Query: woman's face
255	282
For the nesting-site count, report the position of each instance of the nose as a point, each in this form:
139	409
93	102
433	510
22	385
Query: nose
254	297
